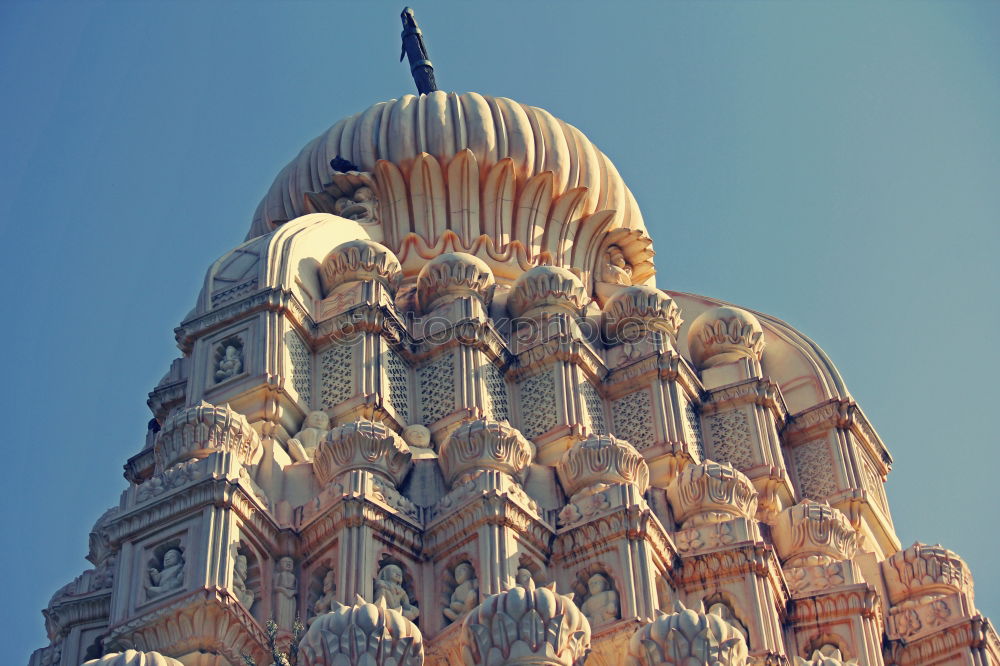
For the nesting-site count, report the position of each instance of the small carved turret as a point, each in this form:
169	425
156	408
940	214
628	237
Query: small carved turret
635	311
711	492
484	444
362	634
360	260
723	335
813	533
368	445
923	570
522	626
602	460
452	275
197	432
133	658
547	289
688	636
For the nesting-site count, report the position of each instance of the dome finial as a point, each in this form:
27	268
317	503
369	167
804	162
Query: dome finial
415	49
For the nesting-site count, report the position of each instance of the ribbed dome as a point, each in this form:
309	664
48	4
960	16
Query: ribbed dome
443	124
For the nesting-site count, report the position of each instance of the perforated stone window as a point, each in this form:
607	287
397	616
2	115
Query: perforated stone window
814	470
336	375
437	388
729	438
398	377
594	407
497	404
300	370
538	405
633	420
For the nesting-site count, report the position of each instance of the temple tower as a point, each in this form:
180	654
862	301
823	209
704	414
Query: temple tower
436	406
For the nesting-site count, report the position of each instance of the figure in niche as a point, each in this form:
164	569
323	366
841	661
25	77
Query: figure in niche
359	206
284	592
230	365
465	596
314	431
389	588
616	269
328	598
168	577
601	604
524	579
243	594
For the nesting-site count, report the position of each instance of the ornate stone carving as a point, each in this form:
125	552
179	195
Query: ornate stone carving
814	470
723	335
601	460
685	638
594	407
362	445
600	604
300	366
285	589
362	634
452	275
634	311
229	360
730	439
241	568
133	658
923	570
711	492
632	419
464	592
314	430
336	375
327	600
484	444
398	379
359	260
538	410
497	404
812	533
165	574
825	657
547	289
197	432
522	626
389	591
437	388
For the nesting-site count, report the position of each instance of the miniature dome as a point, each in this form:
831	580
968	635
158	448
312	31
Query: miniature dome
634	310
539	626
813	533
362	445
197	432
711	492
723	335
360	260
685	637
453	274
925	570
484	444
602	459
362	634
547	288
133	658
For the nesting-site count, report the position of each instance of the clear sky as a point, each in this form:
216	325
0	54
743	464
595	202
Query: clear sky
834	164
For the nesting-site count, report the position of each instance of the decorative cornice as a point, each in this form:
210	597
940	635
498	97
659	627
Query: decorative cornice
761	392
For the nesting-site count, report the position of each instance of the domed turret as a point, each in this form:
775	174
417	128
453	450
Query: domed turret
925	570
362	634
723	335
484	444
547	289
360	260
451	275
197	432
635	310
813	533
362	445
688	636
711	492
602	460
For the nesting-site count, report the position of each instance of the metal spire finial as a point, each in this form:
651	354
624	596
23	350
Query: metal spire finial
415	49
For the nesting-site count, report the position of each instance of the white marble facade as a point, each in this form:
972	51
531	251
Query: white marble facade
437	409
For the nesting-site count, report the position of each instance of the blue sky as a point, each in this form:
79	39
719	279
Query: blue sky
834	164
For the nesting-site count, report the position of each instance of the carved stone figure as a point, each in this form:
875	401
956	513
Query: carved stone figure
326	600
170	575
245	596
616	269
389	589
466	593
524	579
601	604
285	586
314	431
359	206
230	365
417	435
